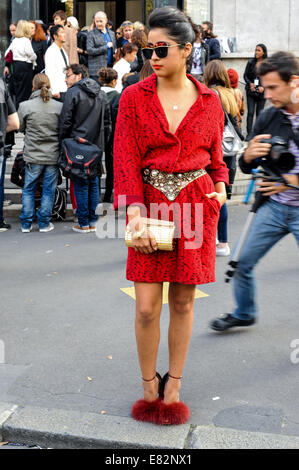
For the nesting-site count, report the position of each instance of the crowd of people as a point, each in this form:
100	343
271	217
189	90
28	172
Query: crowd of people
57	54
171	137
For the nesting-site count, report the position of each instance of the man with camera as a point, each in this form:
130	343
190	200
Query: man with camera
275	137
9	121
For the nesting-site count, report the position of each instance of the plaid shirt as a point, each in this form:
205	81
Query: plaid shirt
291	197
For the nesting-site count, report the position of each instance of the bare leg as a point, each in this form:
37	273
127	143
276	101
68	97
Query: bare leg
181	300
147	329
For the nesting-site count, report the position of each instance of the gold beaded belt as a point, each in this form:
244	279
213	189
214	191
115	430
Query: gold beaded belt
170	184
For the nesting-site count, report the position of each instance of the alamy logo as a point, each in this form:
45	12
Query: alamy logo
294	356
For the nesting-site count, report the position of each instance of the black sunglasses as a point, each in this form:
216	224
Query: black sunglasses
161	50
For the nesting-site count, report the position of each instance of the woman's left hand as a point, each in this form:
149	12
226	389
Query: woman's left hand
221	197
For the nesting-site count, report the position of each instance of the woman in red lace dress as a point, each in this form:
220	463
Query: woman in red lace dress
170	128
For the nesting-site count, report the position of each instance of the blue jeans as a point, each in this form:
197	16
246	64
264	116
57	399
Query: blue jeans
33	173
2	177
271	223
87	197
222	224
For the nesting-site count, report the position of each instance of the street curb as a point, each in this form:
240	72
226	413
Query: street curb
69	429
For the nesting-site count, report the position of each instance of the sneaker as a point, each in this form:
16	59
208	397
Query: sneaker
47	229
92	228
79	229
225	251
26	230
223	323
4	226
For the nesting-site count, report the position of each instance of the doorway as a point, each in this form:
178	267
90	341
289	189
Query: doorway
117	11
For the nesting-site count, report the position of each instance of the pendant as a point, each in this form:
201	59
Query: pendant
175	107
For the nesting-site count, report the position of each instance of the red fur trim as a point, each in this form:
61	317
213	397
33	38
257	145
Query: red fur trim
174	413
144	410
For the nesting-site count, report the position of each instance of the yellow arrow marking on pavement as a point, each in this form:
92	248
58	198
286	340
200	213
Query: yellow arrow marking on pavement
131	292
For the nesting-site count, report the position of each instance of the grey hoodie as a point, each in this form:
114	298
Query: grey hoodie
39	122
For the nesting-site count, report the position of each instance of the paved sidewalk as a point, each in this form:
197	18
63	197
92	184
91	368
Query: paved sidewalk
68	367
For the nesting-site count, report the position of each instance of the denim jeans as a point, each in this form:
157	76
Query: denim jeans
87	197
222	224
2	177
33	173
271	223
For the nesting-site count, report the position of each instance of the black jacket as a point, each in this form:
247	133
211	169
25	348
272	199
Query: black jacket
86	114
270	121
250	75
214	48
40	48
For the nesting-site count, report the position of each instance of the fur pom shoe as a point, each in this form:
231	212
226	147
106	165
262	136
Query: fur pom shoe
172	413
146	411
159	412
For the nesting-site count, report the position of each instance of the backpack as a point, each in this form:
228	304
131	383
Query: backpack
60	203
80	158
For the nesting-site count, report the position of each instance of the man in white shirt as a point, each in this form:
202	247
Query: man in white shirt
56	60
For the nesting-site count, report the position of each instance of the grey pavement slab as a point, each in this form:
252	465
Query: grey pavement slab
68	334
212	437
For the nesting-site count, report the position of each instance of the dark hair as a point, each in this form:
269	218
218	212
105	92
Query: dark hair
106	75
54	30
284	63
139	38
77	69
210	27
126	49
178	25
265	50
146	70
61	15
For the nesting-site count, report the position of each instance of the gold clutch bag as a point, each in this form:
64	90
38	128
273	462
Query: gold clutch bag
162	230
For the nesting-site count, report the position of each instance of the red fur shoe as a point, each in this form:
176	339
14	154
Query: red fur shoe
172	413
144	410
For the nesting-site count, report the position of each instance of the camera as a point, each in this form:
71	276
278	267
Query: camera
279	159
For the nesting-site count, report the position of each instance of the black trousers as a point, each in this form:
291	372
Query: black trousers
253	106
22	81
109	174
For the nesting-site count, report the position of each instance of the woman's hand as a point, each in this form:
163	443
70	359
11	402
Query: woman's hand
142	238
221	197
219	193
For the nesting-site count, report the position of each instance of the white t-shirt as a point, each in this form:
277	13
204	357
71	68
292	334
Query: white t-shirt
54	68
196	63
122	67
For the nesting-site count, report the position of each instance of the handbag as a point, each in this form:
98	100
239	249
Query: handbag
9	57
162	230
231	142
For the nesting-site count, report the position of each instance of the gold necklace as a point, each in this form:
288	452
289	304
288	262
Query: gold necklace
175	107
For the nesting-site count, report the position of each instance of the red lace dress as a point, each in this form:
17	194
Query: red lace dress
142	140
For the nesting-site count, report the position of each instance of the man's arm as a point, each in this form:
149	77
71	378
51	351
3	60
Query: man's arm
66	116
13	122
90	46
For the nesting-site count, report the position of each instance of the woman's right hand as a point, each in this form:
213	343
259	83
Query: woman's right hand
142	238
252	87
